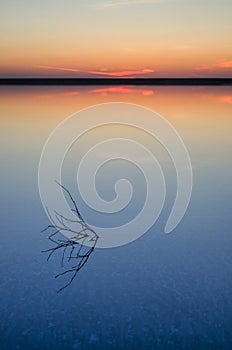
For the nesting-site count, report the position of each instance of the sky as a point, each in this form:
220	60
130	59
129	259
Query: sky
116	38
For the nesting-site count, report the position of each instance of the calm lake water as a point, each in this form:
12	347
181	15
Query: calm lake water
158	292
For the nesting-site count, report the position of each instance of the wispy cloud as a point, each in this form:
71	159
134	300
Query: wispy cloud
147	70
115	4
225	64
58	68
221	64
104	72
114	74
123	73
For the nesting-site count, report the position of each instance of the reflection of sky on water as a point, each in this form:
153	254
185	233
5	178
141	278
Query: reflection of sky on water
161	291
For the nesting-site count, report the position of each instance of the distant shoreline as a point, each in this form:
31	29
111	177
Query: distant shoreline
118	81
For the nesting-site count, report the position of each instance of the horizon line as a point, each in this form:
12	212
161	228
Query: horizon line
114	81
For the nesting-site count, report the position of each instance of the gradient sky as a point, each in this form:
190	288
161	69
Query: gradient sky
147	38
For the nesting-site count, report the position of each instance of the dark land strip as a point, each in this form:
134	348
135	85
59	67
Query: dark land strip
118	81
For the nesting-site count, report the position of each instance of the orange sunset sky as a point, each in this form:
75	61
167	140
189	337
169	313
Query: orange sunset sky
118	38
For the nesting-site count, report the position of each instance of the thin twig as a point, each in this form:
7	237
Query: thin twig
74	247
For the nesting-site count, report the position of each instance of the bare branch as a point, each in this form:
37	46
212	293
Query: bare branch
73	249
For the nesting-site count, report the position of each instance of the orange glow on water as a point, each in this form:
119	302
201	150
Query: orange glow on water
122	90
199	113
